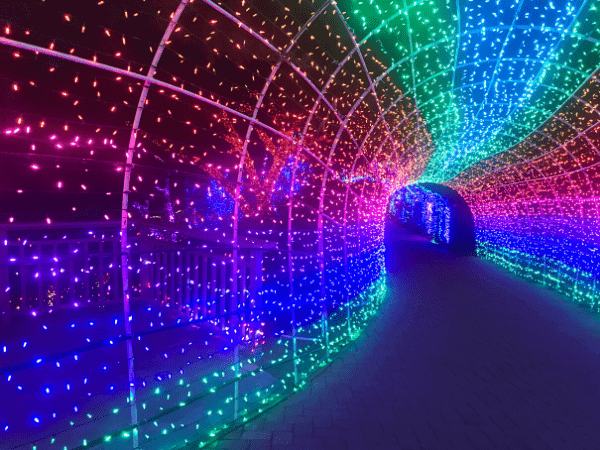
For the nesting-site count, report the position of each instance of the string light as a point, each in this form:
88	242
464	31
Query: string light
265	143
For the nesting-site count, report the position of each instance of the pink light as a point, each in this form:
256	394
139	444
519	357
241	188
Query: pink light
35	166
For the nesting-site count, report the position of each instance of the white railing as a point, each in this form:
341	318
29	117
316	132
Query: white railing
46	267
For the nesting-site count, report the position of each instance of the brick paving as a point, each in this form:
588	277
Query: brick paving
462	356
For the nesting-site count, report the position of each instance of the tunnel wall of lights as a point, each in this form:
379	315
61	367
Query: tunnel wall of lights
194	193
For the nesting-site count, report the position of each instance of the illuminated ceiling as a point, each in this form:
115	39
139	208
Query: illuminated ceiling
455	82
484	75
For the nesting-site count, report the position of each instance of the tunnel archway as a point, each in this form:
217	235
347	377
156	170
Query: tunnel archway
437	212
230	163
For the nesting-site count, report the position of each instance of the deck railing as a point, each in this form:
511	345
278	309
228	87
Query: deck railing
47	267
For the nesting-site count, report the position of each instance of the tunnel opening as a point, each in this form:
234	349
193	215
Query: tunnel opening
438	212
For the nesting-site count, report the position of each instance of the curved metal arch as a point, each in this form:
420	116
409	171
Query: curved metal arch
540	72
249	130
533	191
372	84
404	95
535	130
506	39
279	52
558	145
422	49
592	77
125	253
468	33
297	70
334	144
331	152
320	94
263	93
362	61
339	67
76	59
530	160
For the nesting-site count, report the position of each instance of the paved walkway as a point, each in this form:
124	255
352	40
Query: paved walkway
462	356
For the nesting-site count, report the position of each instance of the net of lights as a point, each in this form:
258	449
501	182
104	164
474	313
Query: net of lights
224	170
509	93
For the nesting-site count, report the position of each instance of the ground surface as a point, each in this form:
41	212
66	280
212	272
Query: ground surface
462	356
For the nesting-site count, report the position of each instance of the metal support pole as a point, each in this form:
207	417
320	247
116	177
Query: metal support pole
321	253
124	206
349	316
126	307
325	330
294	344
5	309
594	291
236	385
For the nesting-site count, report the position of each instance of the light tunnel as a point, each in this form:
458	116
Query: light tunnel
194	193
